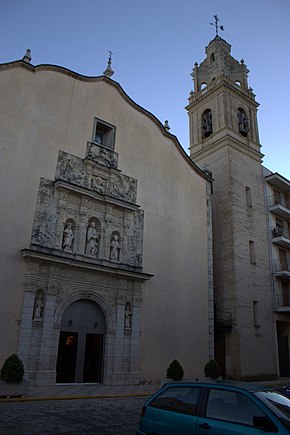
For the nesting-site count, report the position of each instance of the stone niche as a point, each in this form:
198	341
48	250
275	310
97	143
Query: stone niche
86	244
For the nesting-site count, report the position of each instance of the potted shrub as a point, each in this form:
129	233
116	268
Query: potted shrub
175	371
212	369
12	383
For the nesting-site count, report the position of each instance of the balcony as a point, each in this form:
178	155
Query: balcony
279	206
279	182
281	269
281	236
283	302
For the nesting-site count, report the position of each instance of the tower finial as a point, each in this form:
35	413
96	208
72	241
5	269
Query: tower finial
217	27
108	71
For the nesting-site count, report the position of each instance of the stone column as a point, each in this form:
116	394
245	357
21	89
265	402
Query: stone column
60	226
81	233
135	336
26	327
46	373
102	244
119	343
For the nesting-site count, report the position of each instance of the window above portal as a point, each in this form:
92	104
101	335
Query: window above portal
104	134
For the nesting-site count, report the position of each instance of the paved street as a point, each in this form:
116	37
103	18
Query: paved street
102	416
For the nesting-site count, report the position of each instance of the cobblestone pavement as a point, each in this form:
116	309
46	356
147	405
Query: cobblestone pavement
102	416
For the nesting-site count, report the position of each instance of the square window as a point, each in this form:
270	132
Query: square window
104	134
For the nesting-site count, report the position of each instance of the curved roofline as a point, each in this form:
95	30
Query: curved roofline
116	85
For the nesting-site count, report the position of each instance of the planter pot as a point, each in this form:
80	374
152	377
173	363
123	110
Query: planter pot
14	390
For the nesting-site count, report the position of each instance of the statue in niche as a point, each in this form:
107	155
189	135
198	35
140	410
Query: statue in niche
207	123
243	122
38	307
128	316
115	248
68	237
92	240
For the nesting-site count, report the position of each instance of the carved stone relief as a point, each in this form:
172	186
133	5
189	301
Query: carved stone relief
123	187
76	215
98	184
102	155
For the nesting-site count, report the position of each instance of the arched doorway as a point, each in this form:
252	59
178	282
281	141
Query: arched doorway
80	349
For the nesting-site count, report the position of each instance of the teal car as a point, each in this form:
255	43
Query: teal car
218	408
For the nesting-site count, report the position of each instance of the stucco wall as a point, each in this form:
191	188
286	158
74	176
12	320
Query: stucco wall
47	111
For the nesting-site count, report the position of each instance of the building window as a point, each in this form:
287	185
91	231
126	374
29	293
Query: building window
256	314
285	293
252	252
283	259
104	134
248	196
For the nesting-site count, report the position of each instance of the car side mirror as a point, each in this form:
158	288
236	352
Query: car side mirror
264	423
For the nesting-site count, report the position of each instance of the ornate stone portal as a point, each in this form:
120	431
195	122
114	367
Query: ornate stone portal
86	244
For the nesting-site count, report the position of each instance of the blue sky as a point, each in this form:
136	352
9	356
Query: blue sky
155	44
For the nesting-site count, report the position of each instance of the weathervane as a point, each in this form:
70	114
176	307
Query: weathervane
110	56
217	27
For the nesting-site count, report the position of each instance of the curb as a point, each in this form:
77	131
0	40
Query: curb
50	398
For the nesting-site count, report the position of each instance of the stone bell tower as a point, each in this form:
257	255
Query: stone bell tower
224	140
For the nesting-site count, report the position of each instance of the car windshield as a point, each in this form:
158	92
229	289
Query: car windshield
277	402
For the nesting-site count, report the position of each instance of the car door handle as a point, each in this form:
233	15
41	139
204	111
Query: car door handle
204	426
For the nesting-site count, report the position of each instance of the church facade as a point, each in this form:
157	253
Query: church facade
119	252
106	245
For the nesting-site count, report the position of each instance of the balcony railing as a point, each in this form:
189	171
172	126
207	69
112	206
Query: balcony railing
278	200
281	266
283	301
280	232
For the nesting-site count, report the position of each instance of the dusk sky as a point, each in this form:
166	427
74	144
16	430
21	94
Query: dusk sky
155	44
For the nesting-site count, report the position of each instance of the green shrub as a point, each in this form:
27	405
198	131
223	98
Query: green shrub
175	371
212	369
12	370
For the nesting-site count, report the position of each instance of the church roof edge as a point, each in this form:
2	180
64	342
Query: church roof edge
81	77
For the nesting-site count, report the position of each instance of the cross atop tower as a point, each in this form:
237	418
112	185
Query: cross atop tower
217	27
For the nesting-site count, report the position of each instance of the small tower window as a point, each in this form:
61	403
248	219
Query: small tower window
243	122
252	252
248	196
207	123
212	57
256	314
